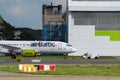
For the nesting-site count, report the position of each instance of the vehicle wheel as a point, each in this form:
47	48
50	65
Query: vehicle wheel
89	57
96	58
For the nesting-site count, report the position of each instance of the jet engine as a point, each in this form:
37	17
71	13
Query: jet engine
28	53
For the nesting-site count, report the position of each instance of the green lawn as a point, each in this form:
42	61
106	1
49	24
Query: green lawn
107	57
114	34
53	57
74	70
44	57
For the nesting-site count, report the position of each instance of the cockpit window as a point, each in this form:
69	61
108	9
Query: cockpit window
69	45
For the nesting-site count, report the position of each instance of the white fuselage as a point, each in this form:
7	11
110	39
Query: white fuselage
41	46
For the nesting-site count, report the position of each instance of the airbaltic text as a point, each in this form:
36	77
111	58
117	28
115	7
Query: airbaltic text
43	44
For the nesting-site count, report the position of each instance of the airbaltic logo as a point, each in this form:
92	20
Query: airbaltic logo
43	44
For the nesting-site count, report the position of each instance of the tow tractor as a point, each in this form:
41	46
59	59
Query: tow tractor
90	56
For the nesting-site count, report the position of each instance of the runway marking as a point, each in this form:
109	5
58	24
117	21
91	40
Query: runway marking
36	60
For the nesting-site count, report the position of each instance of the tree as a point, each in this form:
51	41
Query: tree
26	36
8	30
1	19
64	16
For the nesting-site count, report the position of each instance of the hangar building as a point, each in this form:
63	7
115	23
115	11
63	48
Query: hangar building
85	18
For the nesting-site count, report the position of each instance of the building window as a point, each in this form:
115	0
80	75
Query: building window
55	11
49	11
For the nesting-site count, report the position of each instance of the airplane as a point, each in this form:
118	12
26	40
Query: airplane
3	51
31	48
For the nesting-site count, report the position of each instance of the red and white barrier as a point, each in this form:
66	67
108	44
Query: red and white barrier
36	67
44	67
51	67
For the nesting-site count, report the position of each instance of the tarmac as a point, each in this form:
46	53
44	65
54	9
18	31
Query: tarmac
64	62
18	76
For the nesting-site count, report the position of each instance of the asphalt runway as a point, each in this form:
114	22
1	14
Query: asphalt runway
18	76
64	62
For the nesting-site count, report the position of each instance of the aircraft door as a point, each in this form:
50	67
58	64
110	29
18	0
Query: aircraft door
60	46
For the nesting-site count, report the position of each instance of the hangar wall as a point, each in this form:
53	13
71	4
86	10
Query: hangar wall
83	37
102	20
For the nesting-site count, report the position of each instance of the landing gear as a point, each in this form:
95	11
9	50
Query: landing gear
65	55
13	56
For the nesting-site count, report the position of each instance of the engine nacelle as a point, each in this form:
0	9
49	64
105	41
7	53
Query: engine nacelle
28	53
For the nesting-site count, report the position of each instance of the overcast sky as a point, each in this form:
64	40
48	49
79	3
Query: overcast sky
26	13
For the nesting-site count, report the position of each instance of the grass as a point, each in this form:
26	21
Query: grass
107	57
44	57
114	34
74	70
54	57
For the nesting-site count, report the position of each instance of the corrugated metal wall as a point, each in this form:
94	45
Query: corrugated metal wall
101	20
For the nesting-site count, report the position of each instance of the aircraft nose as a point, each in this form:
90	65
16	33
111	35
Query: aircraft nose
74	49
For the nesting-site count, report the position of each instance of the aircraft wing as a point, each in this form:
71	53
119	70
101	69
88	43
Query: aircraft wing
10	47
